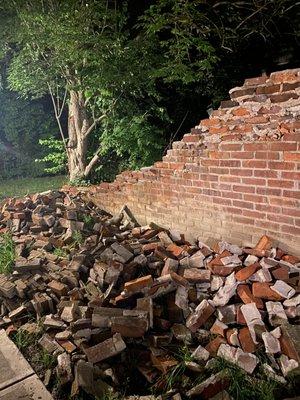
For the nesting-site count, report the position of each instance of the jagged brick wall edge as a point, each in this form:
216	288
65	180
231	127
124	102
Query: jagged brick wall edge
235	176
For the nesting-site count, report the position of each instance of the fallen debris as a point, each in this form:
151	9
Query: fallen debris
106	290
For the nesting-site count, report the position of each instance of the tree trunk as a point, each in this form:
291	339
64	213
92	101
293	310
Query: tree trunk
78	125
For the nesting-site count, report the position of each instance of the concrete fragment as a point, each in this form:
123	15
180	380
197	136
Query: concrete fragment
287	365
283	289
200	354
64	368
250	260
246	361
226	292
293	301
276	313
252	317
272	344
227	314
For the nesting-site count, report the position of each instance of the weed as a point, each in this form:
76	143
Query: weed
88	221
7	253
62	253
176	374
46	359
23	339
77	238
243	386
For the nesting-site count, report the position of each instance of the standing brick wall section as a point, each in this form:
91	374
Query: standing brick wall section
234	177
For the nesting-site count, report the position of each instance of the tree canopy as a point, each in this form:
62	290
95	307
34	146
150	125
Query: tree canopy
120	75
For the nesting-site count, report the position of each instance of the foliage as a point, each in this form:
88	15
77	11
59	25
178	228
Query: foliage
7	253
146	70
84	48
22	123
56	159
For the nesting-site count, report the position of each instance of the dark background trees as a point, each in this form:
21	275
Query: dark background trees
139	73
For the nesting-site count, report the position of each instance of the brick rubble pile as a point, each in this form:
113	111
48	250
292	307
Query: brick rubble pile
107	291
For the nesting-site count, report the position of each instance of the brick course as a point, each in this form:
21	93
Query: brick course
235	176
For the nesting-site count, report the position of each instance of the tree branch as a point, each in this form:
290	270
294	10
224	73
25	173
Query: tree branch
89	130
91	164
57	116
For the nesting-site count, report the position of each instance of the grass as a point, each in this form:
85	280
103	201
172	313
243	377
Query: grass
244	386
7	253
22	187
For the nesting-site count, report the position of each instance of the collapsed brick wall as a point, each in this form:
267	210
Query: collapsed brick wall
234	177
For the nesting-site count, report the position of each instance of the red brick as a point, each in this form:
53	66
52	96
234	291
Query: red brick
246	296
292	212
268	191
138	284
230	163
294	194
244	220
267	208
262	290
213	346
290	175
255	198
291	259
232	146
266	173
284	76
241	111
242	92
225	202
236	136
217	130
242	154
233	210
243	204
290	86
280	218
210	122
283	146
245	273
254	181
281	165
291	156
281	273
219	171
246	340
241	172
253	214
254	164
258	120
190	138
267	155
264	243
279	98
231	179
240	319
268	89
290	230
281	183
283	202
256	81
243	189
